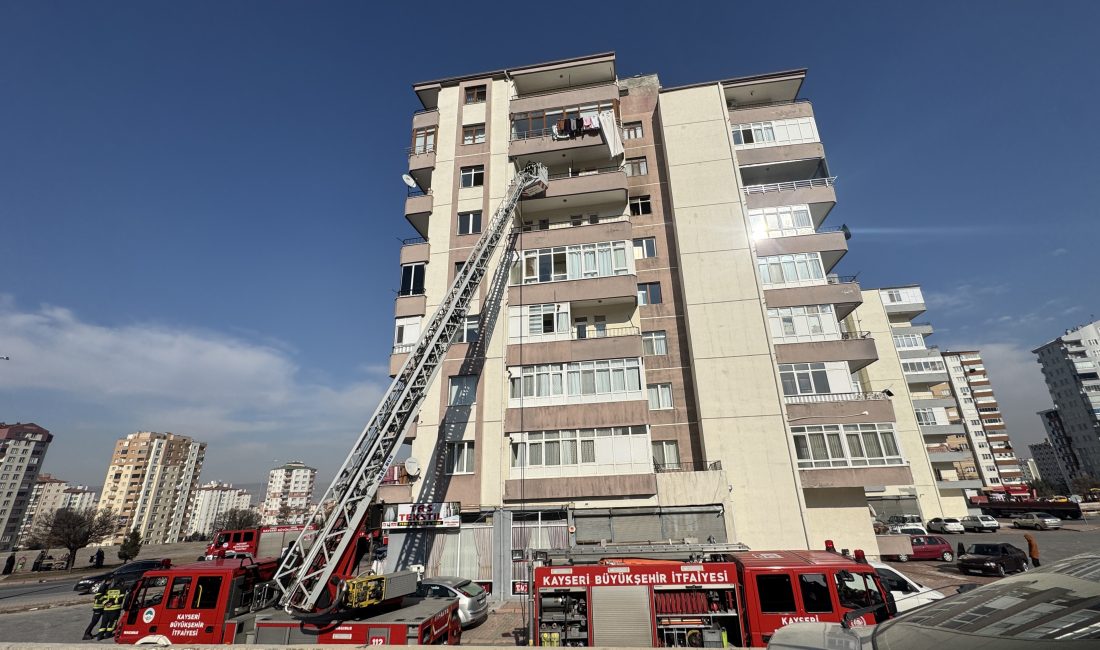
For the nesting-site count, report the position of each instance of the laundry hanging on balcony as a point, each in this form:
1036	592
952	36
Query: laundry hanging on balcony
610	132
572	127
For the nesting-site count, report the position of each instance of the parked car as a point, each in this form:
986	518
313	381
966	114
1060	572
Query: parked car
1058	498
880	527
981	523
908	593
993	558
473	602
897	520
948	525
129	573
928	547
1037	520
1057	614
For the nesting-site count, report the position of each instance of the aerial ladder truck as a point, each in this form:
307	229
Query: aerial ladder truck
315	584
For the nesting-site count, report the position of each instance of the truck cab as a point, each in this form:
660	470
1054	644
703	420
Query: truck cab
232	543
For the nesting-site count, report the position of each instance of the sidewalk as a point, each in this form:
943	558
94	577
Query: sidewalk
498	629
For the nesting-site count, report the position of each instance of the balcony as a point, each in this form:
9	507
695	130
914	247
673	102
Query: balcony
414	249
792	174
579	190
615	289
564	233
865	477
948	453
426	118
540	145
556	98
575	416
907	306
830	408
563	76
580	487
951	479
831	245
410	306
840	291
418	208
688	466
857	348
780	153
611	343
926	377
942	429
421	160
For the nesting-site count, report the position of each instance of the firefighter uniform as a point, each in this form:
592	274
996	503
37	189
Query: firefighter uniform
112	608
97	613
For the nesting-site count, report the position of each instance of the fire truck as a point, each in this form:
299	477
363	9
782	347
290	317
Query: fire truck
268	541
698	596
316	582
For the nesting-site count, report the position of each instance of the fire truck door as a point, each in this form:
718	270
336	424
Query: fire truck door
621	617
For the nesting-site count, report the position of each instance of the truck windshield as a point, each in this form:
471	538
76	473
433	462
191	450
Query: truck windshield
151	592
857	590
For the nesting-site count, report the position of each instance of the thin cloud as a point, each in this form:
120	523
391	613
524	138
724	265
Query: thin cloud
1058	252
963	295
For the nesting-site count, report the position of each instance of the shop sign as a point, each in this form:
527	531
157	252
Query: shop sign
422	515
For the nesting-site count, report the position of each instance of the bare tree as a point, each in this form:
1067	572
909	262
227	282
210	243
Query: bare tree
237	519
75	529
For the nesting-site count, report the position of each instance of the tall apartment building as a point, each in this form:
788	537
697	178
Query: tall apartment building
151	484
1069	467
668	361
289	493
1070	368
1030	469
977	407
22	451
212	500
45	499
1049	466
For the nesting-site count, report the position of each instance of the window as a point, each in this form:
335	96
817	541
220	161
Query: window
759	132
469	331
473	176
815	593
632	131
406	330
604	377
787	269
412	279
473	134
666	454
654	343
776	593
206	592
893	296
474	94
636	167
551	318
649	293
463	390
856	590
781	221
908	341
460	457
574	262
567	446
660	396
645	247
177	597
856	445
922	366
423	140
804	378
640	205
926	416
469	223
792	324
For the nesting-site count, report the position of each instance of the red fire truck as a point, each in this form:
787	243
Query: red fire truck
727	599
225	601
253	542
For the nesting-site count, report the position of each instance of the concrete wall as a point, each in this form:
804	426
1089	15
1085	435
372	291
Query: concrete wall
740	408
842	515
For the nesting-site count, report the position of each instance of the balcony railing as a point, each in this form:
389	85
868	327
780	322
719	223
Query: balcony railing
416	191
590	172
787	186
423	149
945	448
569	224
833	397
413	241
854	336
692	466
833	278
402	348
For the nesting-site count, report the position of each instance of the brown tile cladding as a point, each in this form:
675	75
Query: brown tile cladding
579	487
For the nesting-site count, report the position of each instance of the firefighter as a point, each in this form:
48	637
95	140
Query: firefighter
97	613
112	608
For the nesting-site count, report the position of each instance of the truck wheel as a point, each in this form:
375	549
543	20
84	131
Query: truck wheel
903	558
947	556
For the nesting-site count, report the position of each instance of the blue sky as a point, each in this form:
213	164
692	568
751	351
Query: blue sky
200	202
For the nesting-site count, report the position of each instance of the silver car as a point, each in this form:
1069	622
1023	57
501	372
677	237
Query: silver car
1037	520
981	523
473	602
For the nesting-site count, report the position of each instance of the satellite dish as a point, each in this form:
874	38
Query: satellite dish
412	467
408	180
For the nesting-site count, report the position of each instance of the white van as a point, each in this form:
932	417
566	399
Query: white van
908	593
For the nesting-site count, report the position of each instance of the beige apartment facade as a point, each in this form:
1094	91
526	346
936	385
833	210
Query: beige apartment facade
151	484
668	359
23	447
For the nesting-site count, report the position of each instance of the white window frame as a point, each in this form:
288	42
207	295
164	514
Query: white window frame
645	293
460	457
469	223
645	248
659	396
575	382
478	135
663	450
412	267
640	205
461	383
753	135
655	343
472	176
908	342
805	378
848	445
781	221
573	262
922	365
470	331
633	131
406	330
796	269
636	166
805	323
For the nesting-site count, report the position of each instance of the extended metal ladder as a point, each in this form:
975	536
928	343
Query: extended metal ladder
304	574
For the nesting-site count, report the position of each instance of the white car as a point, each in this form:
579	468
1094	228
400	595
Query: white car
909	529
981	523
908	593
948	525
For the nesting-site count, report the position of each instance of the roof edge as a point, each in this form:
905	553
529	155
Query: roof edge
506	71
740	81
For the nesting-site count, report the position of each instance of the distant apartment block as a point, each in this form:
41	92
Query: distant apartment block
1070	367
49	495
1049	465
212	500
289	493
1030	469
22	451
151	484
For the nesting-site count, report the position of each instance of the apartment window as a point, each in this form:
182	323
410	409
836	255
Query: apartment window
987	456
926	416
908	341
654	343
538	123
469	331
788	131
572	263
460	457
463	390
758	132
475	94
473	134
580	378
649	293
893	296
423	140
640	205
469	223
787	269
473	176
804	378
922	366
791	324
412	279
660	396
636	167
645	247
782	221
406	330
632	131
666	454
551	318
570	446
856	445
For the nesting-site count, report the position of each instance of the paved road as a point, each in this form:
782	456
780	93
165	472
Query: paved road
29	594
54	625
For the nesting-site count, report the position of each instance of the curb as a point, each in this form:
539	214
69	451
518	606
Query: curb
31	608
